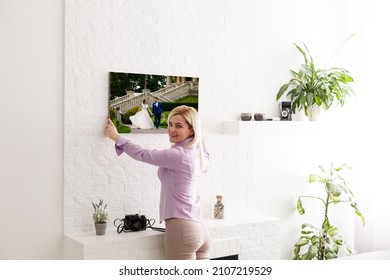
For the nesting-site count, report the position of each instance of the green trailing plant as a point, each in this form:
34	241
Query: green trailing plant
311	86
100	215
325	243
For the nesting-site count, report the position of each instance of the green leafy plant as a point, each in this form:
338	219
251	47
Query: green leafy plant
312	86
325	242
100	215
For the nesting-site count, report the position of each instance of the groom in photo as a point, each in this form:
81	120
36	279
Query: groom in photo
157	111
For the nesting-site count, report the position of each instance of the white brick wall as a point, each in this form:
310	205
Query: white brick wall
104	36
227	45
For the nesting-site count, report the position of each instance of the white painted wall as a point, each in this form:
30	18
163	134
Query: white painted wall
373	137
31	145
241	53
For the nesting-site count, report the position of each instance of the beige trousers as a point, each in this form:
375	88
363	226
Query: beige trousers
186	240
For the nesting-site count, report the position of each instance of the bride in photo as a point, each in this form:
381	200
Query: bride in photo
142	118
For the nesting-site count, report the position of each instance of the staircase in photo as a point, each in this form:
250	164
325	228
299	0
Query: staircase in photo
167	94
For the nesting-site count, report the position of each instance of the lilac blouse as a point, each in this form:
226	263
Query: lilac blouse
178	171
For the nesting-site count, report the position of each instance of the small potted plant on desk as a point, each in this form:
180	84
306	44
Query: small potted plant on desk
100	217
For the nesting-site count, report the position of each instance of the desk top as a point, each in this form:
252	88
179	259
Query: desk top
111	235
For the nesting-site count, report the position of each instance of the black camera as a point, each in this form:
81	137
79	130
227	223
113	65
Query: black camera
134	222
285	110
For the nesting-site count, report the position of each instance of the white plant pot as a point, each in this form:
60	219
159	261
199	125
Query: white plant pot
314	113
299	116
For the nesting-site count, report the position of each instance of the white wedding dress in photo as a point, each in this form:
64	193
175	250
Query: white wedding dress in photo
142	119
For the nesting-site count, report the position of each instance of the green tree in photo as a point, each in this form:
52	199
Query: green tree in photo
122	82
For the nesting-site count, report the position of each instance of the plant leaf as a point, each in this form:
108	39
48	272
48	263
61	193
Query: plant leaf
300	208
312	251
326	225
316	178
301	51
281	91
358	213
332	231
296	250
315	240
302	242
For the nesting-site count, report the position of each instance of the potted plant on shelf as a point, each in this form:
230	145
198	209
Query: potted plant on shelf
100	217
312	89
325	242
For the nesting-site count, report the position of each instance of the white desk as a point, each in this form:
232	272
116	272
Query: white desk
249	238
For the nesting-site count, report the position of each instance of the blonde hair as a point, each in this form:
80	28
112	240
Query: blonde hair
192	118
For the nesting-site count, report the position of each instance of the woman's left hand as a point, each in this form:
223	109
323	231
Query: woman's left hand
111	131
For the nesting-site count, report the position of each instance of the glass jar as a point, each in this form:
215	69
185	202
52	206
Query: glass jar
219	208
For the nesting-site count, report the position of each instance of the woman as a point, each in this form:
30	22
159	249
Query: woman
142	118
186	236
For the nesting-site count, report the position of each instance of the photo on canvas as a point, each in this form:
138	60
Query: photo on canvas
140	103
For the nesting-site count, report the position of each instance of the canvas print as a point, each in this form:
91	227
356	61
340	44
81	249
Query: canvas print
140	103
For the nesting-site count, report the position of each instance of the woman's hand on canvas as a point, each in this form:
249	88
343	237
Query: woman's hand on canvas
111	130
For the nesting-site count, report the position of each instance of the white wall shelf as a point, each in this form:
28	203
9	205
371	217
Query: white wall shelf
246	127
